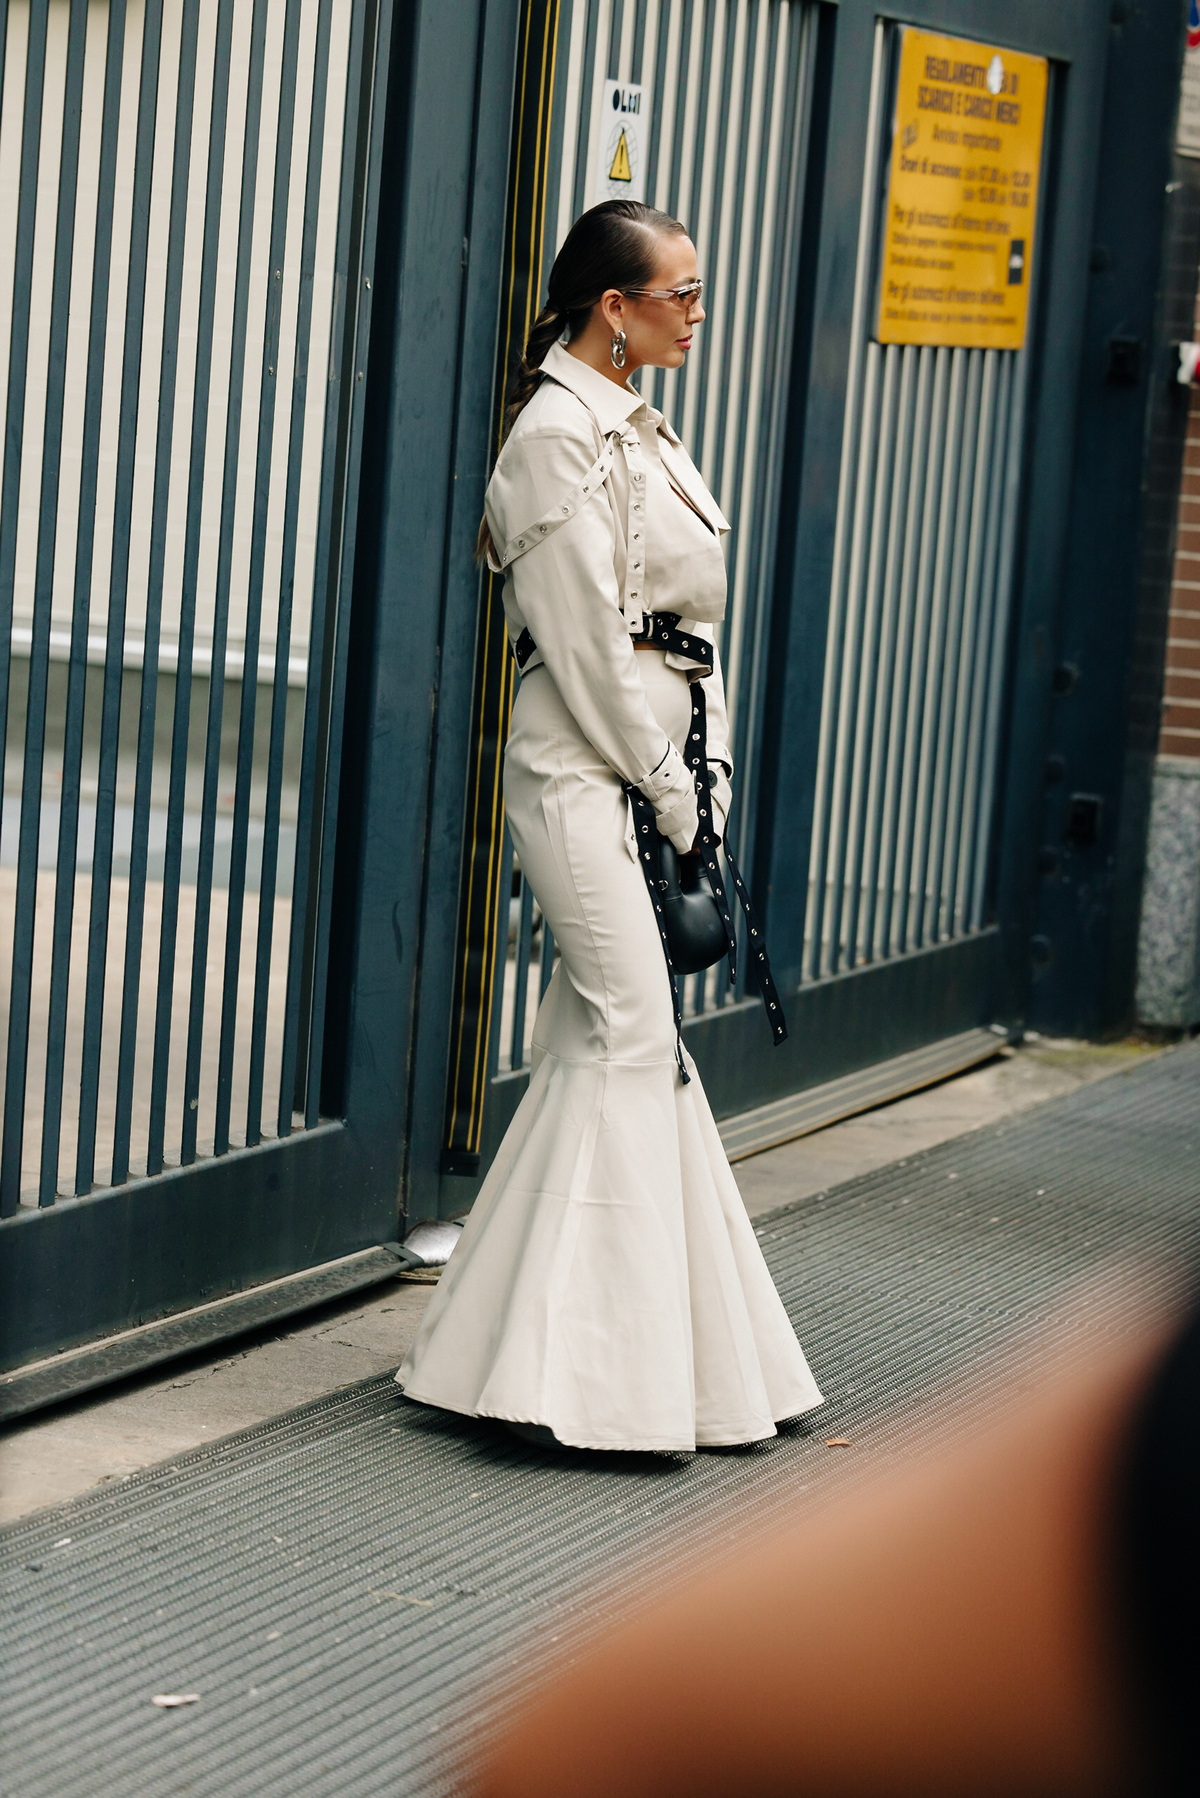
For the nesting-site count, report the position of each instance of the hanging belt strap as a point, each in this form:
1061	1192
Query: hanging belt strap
696	758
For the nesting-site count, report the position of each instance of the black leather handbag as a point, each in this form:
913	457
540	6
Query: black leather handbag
696	932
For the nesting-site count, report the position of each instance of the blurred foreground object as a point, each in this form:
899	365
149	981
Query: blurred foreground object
1019	1619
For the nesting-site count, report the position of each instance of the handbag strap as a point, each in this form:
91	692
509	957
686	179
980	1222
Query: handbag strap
697	759
646	830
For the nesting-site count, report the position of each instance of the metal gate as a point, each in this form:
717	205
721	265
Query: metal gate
182	333
883	501
918	634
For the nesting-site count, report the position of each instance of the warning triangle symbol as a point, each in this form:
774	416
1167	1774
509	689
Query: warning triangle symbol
620	170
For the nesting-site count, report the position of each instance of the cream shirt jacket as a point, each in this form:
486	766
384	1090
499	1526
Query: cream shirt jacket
598	515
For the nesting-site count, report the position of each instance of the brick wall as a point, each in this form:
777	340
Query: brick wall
1180	734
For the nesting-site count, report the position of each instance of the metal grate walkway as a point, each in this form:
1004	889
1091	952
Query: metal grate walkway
343	1584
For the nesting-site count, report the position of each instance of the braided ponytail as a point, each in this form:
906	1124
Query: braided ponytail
548	327
612	245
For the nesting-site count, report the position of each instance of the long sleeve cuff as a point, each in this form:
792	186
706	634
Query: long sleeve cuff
671	790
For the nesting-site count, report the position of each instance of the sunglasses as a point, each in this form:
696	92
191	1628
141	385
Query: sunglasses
686	296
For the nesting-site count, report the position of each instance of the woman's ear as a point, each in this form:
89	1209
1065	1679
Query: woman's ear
612	308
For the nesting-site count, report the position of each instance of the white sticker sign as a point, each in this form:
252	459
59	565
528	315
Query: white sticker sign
621	129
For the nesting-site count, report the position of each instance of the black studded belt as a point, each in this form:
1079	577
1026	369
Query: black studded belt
660	628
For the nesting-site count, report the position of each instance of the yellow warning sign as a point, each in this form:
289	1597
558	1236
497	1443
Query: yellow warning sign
620	170
962	196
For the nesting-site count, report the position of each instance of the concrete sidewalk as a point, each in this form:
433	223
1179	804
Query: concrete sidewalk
106	1437
353	1594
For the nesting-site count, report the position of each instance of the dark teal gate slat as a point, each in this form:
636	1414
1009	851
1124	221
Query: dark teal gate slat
279	684
148	695
268	388
216	679
114	653
48	509
68	824
22	953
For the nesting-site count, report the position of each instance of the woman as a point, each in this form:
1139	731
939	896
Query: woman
608	1291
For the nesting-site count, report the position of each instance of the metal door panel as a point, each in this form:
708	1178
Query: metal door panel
219	942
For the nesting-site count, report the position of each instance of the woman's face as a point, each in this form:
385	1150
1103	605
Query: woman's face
659	332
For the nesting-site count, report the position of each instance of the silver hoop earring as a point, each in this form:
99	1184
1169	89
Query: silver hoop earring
616	350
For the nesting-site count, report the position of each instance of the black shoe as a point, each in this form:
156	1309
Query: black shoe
541	1433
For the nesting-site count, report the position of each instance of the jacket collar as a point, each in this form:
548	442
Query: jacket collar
611	405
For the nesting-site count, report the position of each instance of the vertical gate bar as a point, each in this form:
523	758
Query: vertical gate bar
31	144
216	682
1004	597
22	281
591	35
943	559
616	21
918	704
516	1053
855	410
794	73
949	522
85	536
720	251
824	836
865	692
29	828
951	656
367	184
682	383
968	666
843	722
118	593
681	98
197	452
135	911
901	733
268	388
3	60
666	10
14	412
637	48
336	454
875	789
671	92
987	651
287	578
755	260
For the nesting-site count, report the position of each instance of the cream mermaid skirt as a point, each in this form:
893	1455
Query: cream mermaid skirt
608	1282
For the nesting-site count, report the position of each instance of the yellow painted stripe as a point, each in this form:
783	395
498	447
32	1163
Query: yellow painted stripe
487	797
